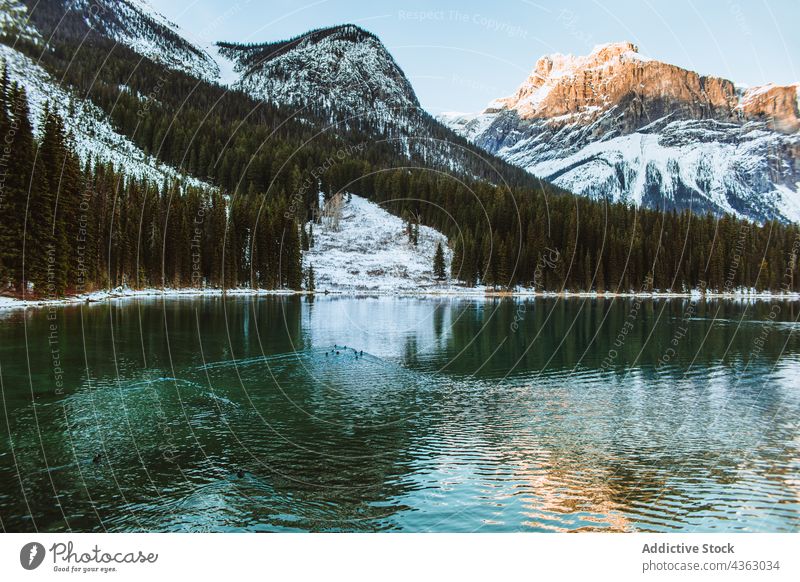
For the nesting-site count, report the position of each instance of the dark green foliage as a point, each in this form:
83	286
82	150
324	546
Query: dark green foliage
18	188
439	267
598	246
310	281
62	173
8	216
68	229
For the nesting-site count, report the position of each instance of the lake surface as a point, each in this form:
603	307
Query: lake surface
214	414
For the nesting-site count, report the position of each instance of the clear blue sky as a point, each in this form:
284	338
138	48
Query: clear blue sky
461	54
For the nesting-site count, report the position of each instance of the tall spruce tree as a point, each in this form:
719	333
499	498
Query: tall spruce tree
439	267
291	259
6	209
62	174
27	212
311	283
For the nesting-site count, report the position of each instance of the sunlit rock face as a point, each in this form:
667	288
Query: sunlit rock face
618	125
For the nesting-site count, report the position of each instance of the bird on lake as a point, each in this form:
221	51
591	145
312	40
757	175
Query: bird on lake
239	474
96	459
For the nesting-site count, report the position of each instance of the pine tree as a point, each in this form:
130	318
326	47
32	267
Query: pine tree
291	259
62	173
456	265
310	281
439	267
4	113
26	212
6	209
304	239
40	252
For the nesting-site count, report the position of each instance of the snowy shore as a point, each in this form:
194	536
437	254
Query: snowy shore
449	291
127	293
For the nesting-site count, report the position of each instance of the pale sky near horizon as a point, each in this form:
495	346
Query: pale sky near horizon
459	55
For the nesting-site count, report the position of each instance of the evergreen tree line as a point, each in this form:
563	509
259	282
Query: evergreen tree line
67	228
501	237
70	228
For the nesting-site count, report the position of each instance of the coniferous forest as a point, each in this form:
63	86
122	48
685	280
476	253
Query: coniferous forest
70	226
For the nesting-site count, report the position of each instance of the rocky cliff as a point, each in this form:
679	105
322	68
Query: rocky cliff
618	125
564	88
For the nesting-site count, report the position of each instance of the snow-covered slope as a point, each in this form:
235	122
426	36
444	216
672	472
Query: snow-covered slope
137	25
93	135
346	79
620	126
132	23
370	251
344	69
705	165
14	22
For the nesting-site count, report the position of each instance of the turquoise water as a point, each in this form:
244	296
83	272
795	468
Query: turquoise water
237	414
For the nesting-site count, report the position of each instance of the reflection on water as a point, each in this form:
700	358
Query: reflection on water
375	414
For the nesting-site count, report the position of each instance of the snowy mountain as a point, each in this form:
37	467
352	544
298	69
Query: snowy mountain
340	79
342	69
14	22
138	26
132	23
617	125
365	248
344	78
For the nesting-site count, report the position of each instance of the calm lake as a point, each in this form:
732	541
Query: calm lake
225	414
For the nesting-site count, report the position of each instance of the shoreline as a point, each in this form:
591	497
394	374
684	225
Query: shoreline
451	292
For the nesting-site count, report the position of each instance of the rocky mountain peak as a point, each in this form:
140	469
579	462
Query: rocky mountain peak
252	56
617	125
341	67
775	104
558	65
566	89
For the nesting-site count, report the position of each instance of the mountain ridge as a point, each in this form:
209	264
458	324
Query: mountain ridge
563	85
621	126
341	67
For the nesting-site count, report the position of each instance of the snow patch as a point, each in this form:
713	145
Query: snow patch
128	293
14	21
227	75
469	125
370	251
